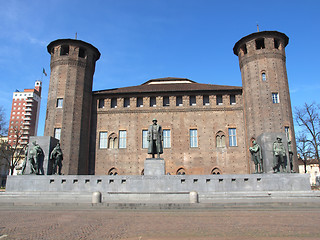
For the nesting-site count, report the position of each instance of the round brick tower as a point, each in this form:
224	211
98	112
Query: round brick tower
267	105
69	100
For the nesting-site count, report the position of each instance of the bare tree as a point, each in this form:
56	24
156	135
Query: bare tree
307	118
13	153
304	149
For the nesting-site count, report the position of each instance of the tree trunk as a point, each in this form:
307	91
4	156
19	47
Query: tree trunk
11	170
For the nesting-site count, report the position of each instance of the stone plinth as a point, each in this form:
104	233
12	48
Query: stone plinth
154	167
159	184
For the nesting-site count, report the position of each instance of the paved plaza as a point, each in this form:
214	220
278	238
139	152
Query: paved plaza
38	222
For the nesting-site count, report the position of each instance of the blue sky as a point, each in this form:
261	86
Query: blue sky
144	39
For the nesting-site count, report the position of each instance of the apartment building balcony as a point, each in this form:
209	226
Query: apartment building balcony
25	128
29	104
24	137
26	123
27	118
27	113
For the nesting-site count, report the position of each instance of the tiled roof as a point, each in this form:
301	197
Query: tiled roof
169	84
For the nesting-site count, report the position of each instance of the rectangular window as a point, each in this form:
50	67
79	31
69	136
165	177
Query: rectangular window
275	97
232	137
144	138
206	100
59	102
219	100
114	103
153	102
103	139
260	44
166	138
101	103
286	129
82	53
179	101
57	133
193	138
232	99
122	139
276	43
139	102
166	101
193	101
126	102
64	50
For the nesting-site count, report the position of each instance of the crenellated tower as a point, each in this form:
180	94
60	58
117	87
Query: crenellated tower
69	100
267	105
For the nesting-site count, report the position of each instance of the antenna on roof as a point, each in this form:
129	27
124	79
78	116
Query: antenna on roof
76	35
258	28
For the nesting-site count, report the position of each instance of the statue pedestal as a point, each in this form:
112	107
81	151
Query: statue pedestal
154	167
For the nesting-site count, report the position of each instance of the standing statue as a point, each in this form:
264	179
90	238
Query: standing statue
256	156
279	156
56	156
155	139
290	156
35	157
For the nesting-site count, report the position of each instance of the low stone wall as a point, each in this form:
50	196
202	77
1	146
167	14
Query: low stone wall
158	184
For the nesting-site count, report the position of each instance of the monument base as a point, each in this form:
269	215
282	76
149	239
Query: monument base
154	167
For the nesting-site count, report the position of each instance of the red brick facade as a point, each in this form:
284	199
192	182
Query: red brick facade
207	128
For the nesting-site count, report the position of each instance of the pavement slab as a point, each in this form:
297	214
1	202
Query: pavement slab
51	222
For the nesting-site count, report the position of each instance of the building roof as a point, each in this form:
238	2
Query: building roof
168	84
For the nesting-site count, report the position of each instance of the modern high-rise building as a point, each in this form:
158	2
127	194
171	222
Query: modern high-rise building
24	115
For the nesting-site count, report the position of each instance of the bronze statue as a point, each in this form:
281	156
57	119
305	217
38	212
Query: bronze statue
256	156
155	139
35	155
56	156
290	156
279	156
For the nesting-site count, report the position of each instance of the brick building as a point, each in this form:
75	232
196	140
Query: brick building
207	128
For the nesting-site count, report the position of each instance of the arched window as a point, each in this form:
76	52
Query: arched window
113	171
216	171
220	139
263	76
113	141
181	171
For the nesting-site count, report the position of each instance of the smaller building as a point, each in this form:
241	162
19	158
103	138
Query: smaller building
311	167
